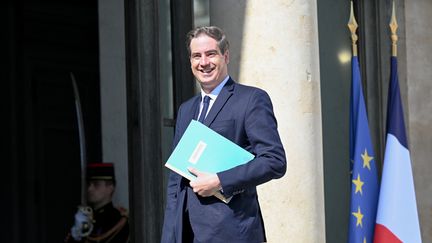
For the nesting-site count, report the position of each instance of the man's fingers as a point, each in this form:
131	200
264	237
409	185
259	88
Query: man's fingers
194	171
206	184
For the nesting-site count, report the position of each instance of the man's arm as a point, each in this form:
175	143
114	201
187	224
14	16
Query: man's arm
261	130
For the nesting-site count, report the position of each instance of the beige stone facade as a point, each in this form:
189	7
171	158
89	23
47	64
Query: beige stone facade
277	50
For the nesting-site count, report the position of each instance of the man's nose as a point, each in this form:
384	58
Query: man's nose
204	60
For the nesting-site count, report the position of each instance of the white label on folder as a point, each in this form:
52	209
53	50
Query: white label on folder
199	149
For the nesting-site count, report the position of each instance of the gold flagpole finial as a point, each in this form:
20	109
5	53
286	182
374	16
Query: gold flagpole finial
393	28
352	25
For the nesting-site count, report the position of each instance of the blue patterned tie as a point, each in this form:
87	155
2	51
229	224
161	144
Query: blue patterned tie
206	103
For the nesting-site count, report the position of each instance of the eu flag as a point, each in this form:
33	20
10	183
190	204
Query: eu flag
364	179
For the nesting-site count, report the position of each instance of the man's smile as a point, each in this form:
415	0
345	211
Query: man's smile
207	70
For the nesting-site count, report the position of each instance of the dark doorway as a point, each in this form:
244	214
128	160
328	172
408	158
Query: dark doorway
45	41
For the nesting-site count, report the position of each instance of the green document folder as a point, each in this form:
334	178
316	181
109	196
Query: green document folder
207	151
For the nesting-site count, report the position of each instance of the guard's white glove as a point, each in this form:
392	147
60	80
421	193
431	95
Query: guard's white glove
83	223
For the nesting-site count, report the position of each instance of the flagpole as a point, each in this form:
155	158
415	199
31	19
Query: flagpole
393	27
397	215
364	178
352	25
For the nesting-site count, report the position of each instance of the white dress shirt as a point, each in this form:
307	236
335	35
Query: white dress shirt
213	95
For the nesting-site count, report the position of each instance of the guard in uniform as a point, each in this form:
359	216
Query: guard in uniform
101	222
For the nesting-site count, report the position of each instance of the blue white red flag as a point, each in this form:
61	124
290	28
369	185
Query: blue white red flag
397	218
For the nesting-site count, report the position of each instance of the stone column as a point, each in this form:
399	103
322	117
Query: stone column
274	46
113	93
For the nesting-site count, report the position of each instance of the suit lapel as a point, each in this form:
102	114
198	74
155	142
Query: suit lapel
222	98
194	109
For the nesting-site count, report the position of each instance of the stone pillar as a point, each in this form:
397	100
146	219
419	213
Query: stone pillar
113	93
274	46
419	73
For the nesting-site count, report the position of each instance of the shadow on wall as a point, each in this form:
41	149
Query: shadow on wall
233	28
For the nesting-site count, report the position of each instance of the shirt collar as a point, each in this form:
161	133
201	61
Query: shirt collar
215	92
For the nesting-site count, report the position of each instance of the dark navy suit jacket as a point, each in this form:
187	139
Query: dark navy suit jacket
244	115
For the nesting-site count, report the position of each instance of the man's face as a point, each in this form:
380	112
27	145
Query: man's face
99	192
208	64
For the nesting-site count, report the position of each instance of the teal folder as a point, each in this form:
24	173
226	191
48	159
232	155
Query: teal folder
206	150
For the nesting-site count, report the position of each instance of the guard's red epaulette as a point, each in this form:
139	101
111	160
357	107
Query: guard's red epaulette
110	233
123	211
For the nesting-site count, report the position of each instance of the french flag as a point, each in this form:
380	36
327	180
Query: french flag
397	217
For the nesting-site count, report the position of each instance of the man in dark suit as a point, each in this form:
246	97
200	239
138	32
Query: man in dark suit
245	116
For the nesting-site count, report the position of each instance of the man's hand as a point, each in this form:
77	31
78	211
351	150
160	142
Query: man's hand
205	184
83	223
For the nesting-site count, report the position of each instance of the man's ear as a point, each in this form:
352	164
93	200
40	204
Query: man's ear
112	187
110	184
226	56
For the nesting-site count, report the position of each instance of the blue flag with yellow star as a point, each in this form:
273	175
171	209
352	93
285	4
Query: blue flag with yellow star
364	178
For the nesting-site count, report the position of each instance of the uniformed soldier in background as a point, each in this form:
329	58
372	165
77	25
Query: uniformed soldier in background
101	222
